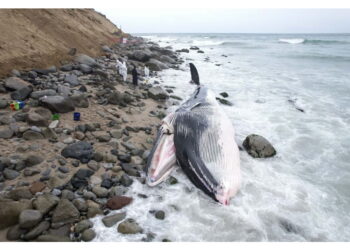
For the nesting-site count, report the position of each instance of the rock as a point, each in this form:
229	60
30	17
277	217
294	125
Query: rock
65	212
67	194
52	238
85	68
15	232
117	191
30	135
39	117
116	133
66	67
32	160
176	97
125	180
51	69
160	215
37	186
93	165
102	136
107	183
63	169
81	150
194	48
224	94
80	179
258	147
80	204
111	220
83	225
20	193
105	48
156	65
167	59
118	202
157	93
87	60
22	93
42	93
80	100
100	192
140	55
183	50
88	235
10	174
129	226
36	231
63	90
224	101
200	51
10	211
83	173
15	83
57	104
45	203
6	132
54	124
72	80
29	218
3	103
172	180
55	182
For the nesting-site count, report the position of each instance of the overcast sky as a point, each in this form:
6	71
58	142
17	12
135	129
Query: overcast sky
230	20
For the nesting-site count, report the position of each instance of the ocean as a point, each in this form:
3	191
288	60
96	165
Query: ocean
301	194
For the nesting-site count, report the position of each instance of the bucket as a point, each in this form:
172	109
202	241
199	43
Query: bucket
76	116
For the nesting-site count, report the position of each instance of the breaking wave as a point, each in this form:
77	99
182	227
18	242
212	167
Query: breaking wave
310	41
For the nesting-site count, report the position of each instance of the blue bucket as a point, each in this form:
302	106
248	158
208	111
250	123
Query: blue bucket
76	116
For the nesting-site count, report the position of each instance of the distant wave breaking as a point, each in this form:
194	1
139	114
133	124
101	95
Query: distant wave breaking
310	41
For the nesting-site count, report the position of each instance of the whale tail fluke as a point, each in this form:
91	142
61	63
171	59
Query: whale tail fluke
194	74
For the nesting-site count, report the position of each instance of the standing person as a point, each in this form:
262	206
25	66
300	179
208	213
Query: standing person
124	71
119	67
134	76
146	69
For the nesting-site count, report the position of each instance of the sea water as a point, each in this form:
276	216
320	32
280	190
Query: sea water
301	194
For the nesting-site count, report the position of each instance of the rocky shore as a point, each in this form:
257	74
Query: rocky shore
57	173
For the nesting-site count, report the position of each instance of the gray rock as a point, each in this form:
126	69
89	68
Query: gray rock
45	203
32	160
42	93
72	80
20	193
65	212
140	55
29	218
57	104
66	67
85	68
224	101
129	226
115	133
156	65
15	83
6	132
80	204
88	235
53	238
36	231
30	135
87	60
3	103
63	90
160	215
10	174
258	147
56	192
105	48
80	100
10	211
111	220
22	93
15	232
117	191
83	225
100	192
67	194
157	93
167	59
82	151
89	195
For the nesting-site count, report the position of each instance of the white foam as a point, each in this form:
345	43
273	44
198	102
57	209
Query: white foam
292	40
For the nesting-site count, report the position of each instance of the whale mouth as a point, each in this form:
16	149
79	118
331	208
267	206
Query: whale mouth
163	158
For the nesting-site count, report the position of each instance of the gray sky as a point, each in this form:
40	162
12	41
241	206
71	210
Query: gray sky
230	20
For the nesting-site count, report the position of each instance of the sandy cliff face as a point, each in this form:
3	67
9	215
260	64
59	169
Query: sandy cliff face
38	38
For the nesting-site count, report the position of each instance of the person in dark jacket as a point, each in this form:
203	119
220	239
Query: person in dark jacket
134	76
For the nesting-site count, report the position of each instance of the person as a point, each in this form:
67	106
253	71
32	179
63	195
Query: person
124	71
134	76
146	71
119	67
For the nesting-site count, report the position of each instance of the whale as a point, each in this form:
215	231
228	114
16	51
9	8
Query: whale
200	138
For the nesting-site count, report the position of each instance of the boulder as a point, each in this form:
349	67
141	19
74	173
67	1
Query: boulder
81	150
47	71
87	60
20	193
140	55
258	147
33	159
80	100
156	65
57	104
41	93
32	135
53	238
6	132
39	117
129	226
167	59
15	232
36	231
65	212
100	192
118	202
15	83
72	80
22	94
45	203
10	174
88	235
29	218
66	67
83	225
10	211
85	68
157	93
111	220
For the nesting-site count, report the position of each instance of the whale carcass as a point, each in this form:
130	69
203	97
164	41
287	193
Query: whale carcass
200	138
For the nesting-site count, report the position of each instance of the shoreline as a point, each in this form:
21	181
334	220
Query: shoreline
121	130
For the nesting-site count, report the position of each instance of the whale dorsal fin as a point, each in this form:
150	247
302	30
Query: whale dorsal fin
194	74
